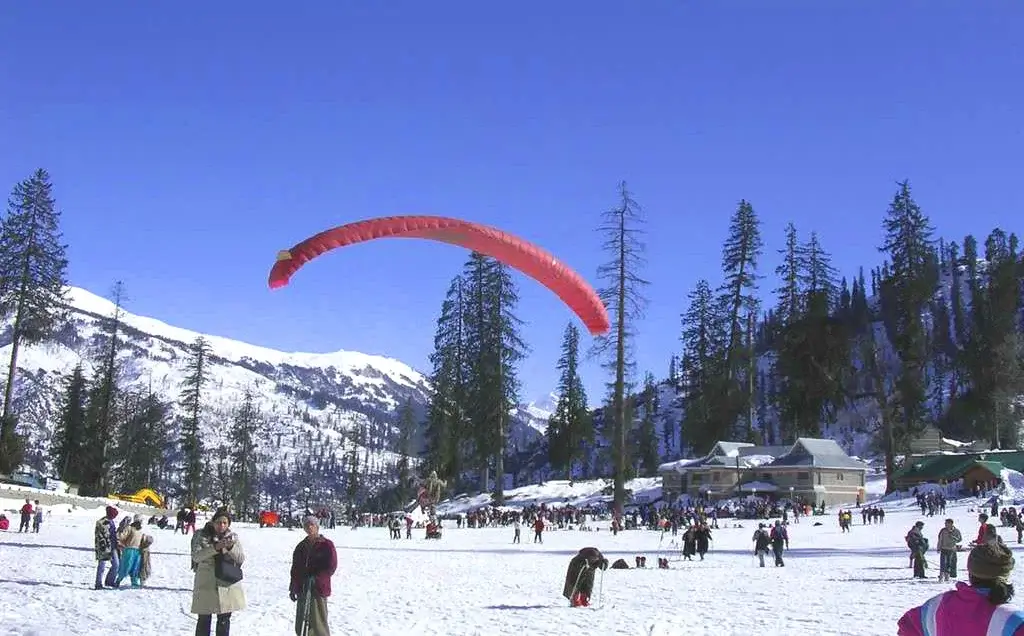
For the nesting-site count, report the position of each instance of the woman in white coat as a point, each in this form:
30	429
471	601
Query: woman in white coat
211	596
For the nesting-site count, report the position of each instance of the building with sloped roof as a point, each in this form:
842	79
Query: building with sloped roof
812	470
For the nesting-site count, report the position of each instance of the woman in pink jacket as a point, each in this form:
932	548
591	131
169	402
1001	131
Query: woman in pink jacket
978	609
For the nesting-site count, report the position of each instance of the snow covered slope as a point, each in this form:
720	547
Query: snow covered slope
307	397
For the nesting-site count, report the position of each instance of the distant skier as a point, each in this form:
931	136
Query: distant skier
579	578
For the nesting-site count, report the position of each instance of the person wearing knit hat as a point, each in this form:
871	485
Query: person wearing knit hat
977	608
105	548
218	588
314	562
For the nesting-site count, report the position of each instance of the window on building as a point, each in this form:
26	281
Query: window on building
716	477
803	476
839	476
696	478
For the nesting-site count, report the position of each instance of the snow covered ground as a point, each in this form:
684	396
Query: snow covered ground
477	582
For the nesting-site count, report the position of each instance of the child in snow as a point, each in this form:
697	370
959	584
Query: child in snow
974	609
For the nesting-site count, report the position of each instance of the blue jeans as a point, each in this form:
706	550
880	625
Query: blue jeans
101	566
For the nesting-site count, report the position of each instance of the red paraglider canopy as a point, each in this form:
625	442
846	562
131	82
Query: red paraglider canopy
528	258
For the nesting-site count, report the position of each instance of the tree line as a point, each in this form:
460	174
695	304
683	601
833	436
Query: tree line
933	335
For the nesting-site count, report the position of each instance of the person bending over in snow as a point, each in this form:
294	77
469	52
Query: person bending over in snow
974	609
579	578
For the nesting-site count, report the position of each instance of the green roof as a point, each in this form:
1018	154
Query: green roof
953	467
993	467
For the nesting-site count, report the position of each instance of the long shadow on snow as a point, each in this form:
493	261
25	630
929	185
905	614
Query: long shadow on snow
46	583
77	548
519	607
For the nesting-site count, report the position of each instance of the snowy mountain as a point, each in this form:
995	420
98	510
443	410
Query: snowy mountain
309	399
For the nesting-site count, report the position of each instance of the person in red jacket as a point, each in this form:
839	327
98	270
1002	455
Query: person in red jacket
26	516
538	529
313	564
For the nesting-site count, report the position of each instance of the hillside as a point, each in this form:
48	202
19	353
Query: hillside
313	402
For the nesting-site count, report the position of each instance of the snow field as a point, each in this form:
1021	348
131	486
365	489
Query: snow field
477	582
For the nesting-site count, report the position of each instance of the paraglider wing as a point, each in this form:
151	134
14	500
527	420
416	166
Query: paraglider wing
526	257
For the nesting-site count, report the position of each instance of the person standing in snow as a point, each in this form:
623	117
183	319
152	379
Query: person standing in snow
538	529
918	548
517	527
26	516
947	544
579	577
209	594
761	540
105	547
37	517
779	538
130	540
974	609
314	562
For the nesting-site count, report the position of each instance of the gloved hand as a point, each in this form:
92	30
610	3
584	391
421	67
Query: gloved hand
603	564
293	596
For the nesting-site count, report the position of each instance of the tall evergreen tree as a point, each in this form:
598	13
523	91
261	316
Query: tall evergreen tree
247	426
740	255
102	409
447	420
623	295
141	441
703	371
33	283
906	289
191	402
494	348
647	438
69	436
570	428
406	429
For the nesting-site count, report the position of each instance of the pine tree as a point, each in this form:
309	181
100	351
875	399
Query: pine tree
247	426
102	408
33	282
740	255
447	421
406	433
787	304
197	375
494	348
69	436
703	341
647	442
141	441
623	296
570	428
907	288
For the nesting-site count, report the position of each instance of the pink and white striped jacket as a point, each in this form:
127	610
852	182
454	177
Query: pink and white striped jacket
965	611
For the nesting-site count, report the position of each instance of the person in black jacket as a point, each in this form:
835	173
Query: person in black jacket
918	545
579	578
313	564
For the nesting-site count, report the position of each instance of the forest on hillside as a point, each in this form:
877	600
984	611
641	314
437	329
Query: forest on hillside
114	436
931	334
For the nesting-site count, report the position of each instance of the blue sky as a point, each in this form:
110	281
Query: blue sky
188	144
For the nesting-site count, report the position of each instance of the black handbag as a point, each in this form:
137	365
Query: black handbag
226	570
